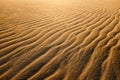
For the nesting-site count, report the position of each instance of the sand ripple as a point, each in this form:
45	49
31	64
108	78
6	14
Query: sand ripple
64	40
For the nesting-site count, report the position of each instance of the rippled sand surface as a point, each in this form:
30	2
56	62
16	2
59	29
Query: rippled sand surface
60	40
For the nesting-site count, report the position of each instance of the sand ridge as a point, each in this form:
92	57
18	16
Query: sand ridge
60	40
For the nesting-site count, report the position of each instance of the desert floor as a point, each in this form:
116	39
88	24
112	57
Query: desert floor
59	39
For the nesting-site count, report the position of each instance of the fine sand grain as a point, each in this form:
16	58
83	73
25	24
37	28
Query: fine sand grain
60	40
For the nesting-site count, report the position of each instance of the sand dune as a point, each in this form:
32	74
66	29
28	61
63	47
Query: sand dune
60	40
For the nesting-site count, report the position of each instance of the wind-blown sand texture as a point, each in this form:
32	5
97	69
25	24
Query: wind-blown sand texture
60	40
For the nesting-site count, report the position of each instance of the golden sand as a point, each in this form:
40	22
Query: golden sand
60	40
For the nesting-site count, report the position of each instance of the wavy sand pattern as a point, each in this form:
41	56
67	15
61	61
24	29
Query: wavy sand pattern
60	40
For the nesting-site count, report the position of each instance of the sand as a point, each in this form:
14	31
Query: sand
59	40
